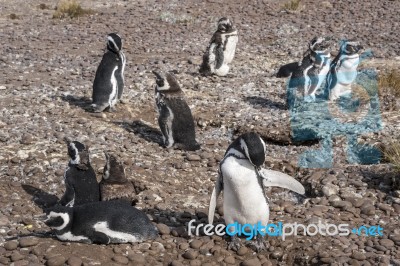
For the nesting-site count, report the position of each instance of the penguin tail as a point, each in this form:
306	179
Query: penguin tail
205	70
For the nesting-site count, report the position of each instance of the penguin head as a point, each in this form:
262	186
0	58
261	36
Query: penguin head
114	42
166	83
252	147
78	153
319	44
350	47
224	25
114	171
59	217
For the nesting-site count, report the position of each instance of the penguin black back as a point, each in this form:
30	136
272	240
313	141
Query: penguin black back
102	222
109	79
175	117
221	49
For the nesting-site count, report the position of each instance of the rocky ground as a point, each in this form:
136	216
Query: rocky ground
47	69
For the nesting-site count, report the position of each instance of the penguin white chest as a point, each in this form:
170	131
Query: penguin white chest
347	71
112	100
244	200
231	40
324	71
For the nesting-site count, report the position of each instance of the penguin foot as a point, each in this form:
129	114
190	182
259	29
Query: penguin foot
258	244
234	244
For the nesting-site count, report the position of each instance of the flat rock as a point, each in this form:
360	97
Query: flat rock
28	242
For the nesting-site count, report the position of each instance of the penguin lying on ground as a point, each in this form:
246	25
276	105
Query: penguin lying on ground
175	118
108	83
243	181
114	184
79	177
221	50
102	222
343	70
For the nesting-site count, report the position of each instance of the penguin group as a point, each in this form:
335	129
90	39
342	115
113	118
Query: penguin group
317	72
103	212
92	212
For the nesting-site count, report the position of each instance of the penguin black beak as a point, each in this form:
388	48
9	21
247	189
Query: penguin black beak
41	218
158	75
67	140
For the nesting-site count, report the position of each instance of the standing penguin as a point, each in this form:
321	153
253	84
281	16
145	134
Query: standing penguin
79	177
343	71
175	118
309	74
102	222
242	179
221	50
108	84
114	184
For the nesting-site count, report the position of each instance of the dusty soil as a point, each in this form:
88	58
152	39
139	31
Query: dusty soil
47	69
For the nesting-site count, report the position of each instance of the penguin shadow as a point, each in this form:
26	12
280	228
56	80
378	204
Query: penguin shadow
78	101
142	130
180	220
259	101
384	180
41	198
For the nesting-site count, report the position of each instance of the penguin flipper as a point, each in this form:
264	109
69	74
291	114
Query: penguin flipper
100	238
219	51
69	196
213	201
277	179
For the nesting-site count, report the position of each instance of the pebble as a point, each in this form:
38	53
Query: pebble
195	263
184	246
193	157
11	245
4	220
242	251
136	258
120	259
176	263
368	209
163	229
190	254
387	243
157	246
28	242
74	261
196	244
230	260
329	190
56	260
15	256
251	262
358	255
